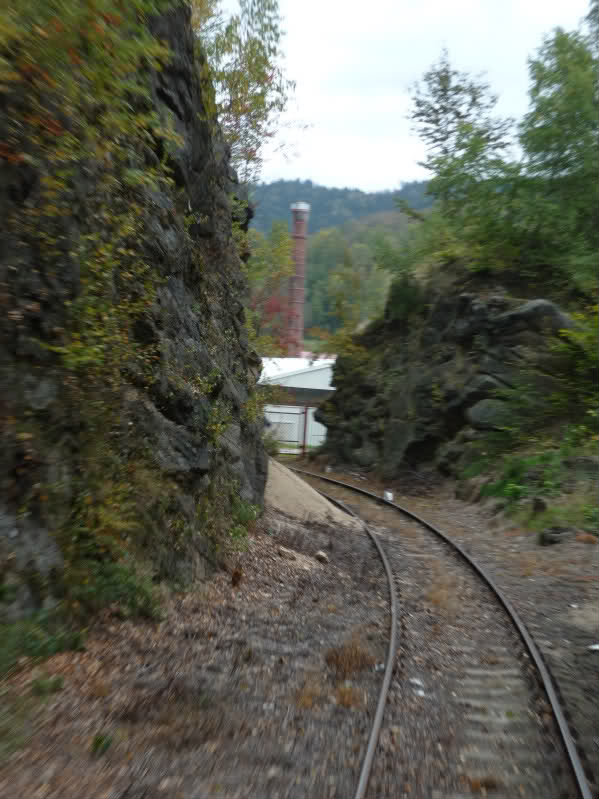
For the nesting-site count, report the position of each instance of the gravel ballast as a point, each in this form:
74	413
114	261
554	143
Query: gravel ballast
465	714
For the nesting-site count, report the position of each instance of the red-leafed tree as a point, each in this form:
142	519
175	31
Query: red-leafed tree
269	269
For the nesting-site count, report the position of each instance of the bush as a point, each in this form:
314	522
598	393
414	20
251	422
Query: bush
524	476
565	472
271	444
590	515
44	686
243	515
99	584
40	636
406	297
580	362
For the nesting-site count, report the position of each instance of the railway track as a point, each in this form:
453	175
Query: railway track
488	716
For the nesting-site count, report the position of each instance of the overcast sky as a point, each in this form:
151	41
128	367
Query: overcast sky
354	63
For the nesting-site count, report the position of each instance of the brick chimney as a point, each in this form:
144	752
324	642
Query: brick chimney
299	217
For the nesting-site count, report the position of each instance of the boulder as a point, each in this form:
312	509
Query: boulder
552	535
488	414
367	455
430	379
540	315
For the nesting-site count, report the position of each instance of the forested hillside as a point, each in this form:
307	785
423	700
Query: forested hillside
351	231
329	207
344	284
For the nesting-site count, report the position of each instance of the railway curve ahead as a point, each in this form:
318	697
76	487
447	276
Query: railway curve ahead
469	706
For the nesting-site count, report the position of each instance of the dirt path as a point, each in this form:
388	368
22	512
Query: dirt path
292	496
260	690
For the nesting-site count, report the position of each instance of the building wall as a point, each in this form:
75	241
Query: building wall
313	378
287	426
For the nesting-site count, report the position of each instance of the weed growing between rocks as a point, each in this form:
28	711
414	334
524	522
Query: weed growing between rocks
349	658
546	480
46	686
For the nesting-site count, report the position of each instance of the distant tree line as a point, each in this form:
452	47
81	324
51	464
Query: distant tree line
329	207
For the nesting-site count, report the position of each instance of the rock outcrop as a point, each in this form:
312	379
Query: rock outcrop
421	387
171	446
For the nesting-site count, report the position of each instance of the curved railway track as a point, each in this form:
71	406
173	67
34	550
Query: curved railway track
504	753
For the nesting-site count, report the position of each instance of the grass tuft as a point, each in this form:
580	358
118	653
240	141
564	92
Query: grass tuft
45	686
349	658
101	743
348	696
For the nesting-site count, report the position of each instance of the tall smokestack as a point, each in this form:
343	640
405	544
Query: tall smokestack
299	216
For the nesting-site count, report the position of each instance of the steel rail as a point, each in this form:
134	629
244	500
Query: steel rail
392	649
532	649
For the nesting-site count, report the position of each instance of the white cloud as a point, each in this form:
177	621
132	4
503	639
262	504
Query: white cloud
354	63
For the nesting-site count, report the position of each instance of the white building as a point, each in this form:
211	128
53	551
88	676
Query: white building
306	383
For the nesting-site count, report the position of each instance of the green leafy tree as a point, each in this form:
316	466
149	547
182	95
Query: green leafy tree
344	290
453	115
251	90
467	146
343	283
559	137
331	207
325	251
537	216
592	21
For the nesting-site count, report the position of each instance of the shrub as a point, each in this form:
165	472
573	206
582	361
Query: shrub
406	297
271	444
244	515
40	636
101	743
523	476
590	515
101	583
44	686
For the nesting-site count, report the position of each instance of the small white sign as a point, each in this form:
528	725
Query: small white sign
388	495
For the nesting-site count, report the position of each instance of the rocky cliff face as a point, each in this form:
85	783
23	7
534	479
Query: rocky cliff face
147	435
422	384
